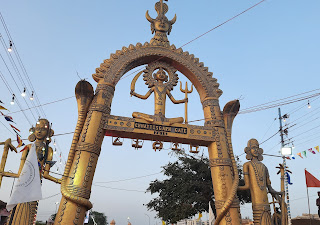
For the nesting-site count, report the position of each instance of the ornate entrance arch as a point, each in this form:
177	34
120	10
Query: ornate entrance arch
95	121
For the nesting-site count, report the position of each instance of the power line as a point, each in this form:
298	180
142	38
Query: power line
49	103
119	189
281	99
257	108
269	128
269	138
51	196
20	62
306	131
221	24
16	69
133	178
278	104
7	128
232	18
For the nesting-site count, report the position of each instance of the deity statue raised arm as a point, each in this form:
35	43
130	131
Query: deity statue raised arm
256	177
41	135
161	87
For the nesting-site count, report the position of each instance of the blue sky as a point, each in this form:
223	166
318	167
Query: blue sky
268	53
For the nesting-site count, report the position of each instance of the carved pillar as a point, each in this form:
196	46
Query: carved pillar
221	164
76	193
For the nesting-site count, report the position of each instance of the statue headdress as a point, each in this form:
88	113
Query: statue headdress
253	143
160	37
32	136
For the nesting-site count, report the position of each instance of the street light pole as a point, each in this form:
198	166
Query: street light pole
148	217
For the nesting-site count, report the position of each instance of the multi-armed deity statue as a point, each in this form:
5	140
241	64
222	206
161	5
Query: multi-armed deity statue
256	177
160	90
24	213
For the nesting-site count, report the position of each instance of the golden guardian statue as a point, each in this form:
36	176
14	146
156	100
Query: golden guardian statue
256	177
25	213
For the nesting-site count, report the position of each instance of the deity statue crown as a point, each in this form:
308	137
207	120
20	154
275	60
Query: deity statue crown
161	25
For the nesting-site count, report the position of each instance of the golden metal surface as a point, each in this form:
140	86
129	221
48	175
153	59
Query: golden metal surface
161	87
94	120
117	126
7	145
256	177
25	213
186	91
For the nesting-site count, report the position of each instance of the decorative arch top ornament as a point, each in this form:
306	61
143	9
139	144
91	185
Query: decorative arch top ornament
159	49
112	69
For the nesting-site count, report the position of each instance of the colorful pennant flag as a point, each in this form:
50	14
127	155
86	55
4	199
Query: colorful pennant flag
2	108
25	148
200	215
317	148
304	153
299	154
20	142
310	150
9	119
17	133
288	178
14	128
1	102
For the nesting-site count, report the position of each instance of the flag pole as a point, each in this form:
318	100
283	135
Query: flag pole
308	199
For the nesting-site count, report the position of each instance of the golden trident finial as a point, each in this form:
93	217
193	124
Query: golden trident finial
186	91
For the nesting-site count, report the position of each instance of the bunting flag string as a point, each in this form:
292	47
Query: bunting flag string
20	142
303	154
15	129
3	108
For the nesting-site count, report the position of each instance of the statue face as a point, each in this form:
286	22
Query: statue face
255	151
161	25
41	129
161	75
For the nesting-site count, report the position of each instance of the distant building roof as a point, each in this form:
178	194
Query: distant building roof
2	204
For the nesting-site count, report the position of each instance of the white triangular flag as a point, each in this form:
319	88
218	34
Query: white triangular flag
212	218
28	187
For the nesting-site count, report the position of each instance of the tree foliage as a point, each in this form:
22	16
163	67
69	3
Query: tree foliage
187	190
99	218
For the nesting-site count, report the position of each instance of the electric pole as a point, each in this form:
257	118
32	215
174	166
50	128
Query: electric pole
286	195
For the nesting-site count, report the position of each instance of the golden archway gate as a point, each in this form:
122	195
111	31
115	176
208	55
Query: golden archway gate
95	121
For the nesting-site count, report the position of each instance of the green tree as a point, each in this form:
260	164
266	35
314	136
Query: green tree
98	217
40	223
187	190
